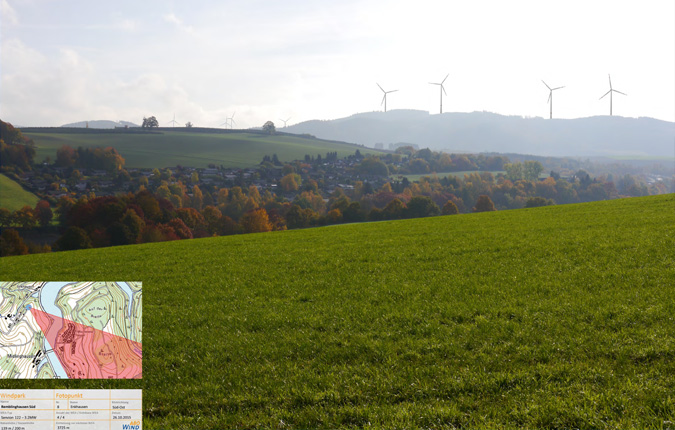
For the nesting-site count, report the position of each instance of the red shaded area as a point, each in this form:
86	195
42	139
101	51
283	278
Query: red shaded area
88	353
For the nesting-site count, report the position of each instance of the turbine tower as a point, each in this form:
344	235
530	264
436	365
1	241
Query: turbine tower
442	89
550	97
611	90
173	121
285	121
384	99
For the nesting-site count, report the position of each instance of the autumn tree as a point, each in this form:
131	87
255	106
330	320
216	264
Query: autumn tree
421	206
134	223
5	217
395	209
297	217
256	221
535	202
15	149
290	182
353	213
11	243
43	213
532	170
450	208
66	156
372	166
484	204
212	217
73	238
25	217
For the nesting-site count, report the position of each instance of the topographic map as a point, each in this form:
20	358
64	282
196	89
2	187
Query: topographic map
81	330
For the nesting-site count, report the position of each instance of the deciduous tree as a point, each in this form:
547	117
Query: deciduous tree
150	122
256	221
484	204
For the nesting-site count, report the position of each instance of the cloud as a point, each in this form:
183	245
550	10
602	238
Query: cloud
8	14
173	19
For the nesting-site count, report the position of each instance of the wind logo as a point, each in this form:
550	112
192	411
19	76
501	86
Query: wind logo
134	425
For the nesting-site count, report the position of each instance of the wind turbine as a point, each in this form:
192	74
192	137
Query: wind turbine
611	90
285	121
173	121
231	119
384	99
550	97
442	89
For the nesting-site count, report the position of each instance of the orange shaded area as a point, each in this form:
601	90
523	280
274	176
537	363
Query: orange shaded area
89	353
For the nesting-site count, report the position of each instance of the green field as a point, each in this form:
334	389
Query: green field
554	317
195	149
13	196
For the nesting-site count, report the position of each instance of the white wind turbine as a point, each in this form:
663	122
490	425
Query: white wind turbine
173	121
611	90
442	89
384	99
550	97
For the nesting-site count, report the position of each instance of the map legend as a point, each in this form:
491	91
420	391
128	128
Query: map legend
71	409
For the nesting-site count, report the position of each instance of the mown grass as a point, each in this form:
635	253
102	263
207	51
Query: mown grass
13	196
195	149
555	317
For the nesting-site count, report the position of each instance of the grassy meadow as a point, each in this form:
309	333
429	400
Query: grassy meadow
554	317
166	147
13	196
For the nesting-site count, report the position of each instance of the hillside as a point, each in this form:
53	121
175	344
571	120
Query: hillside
488	132
13	196
195	147
100	124
556	317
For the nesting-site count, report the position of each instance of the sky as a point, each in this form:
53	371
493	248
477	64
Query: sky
203	61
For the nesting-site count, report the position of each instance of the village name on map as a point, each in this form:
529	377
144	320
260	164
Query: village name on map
82	330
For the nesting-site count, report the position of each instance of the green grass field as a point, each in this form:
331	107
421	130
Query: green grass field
13	196
554	317
194	149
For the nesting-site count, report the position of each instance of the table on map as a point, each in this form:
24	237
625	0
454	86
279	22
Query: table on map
70	409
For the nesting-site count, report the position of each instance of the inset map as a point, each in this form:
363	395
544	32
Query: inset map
71	330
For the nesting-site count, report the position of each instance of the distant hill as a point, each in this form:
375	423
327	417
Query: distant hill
489	132
100	124
195	147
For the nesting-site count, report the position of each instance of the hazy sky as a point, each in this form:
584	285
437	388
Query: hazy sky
65	61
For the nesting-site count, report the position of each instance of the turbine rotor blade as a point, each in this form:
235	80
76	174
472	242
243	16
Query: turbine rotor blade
443	88
610	81
558	88
446	77
383	99
380	87
549	97
605	94
392	91
546	84
620	92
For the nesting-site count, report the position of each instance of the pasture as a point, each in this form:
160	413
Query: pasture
553	317
198	148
